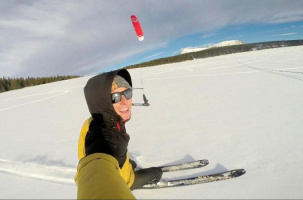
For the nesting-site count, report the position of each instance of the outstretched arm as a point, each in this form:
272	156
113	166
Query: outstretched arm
98	178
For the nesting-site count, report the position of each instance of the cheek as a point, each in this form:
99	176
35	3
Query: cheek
130	103
116	107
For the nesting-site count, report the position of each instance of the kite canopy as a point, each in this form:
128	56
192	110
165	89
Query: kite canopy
137	27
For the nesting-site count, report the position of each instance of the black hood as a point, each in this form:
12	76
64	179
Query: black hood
98	94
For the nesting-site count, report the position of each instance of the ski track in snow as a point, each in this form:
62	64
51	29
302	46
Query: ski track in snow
245	64
34	101
30	95
275	71
257	70
57	174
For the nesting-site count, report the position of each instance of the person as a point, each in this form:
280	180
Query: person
103	141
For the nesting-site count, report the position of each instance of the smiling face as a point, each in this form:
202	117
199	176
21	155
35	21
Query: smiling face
124	107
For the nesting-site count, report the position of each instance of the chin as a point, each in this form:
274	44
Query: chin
126	117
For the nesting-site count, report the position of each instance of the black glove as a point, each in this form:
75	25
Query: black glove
146	176
107	139
133	163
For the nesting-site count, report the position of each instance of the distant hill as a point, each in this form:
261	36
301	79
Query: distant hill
218	50
221	44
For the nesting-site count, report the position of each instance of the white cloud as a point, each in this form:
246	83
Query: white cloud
286	34
154	55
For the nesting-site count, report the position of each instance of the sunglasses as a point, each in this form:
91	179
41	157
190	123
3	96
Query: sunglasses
116	97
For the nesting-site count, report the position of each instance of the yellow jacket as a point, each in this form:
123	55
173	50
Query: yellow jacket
127	172
98	178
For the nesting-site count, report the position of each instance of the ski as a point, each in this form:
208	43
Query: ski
196	180
140	104
185	166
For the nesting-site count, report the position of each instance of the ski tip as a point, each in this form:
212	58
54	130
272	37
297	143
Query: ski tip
205	162
237	172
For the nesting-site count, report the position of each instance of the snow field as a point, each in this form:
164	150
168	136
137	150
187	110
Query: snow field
238	111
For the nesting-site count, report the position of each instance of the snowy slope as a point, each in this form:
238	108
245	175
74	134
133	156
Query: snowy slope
238	111
221	44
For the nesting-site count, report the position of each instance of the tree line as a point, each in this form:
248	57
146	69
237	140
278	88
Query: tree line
217	51
7	84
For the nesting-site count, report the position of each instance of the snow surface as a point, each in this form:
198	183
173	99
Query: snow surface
238	111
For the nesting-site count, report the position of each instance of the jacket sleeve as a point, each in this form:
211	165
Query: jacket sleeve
98	178
81	142
127	172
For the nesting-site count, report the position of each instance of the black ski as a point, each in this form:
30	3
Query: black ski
197	180
140	104
184	166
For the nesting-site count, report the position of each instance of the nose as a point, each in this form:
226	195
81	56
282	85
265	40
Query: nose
123	100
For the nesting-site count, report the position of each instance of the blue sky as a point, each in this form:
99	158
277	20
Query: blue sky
248	33
76	37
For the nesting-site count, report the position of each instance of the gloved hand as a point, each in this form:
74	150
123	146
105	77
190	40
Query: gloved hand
146	176
107	139
133	163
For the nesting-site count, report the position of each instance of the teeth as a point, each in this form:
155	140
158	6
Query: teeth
124	109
